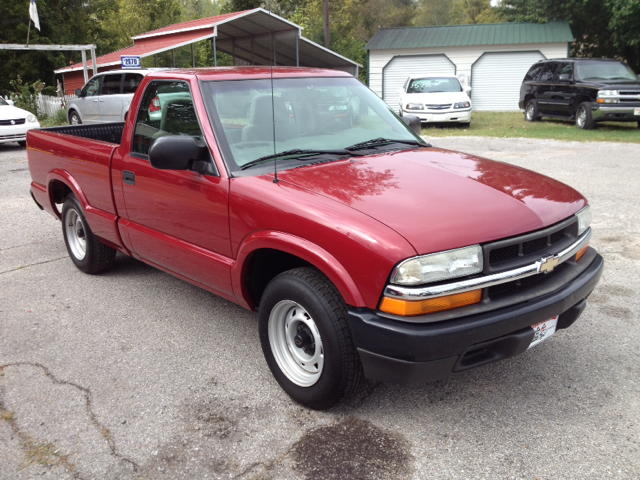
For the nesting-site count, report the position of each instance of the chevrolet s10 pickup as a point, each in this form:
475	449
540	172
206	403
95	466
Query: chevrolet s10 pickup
299	194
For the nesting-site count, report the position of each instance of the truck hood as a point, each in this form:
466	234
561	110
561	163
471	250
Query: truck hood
438	199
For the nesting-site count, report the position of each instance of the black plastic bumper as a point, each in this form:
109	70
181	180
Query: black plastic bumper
398	352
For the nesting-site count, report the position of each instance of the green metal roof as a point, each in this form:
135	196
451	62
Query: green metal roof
466	35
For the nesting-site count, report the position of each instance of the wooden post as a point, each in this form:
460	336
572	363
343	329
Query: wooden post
84	66
326	23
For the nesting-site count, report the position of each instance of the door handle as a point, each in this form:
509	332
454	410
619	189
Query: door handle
96	100
129	177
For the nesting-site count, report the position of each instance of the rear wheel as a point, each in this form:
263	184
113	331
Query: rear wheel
306	339
74	118
531	113
86	251
584	117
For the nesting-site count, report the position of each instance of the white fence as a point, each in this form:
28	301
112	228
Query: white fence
48	105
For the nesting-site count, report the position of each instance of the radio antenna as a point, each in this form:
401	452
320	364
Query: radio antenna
272	48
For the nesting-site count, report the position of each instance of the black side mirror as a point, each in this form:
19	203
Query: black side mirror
564	77
180	152
78	92
414	122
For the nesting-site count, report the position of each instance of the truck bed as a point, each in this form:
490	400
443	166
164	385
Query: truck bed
107	132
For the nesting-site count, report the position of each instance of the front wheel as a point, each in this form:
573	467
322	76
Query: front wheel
85	249
584	117
306	339
74	118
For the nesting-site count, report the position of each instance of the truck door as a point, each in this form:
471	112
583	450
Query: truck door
564	89
545	88
177	219
111	98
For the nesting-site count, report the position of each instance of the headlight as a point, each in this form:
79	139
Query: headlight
607	93
584	219
414	106
32	118
462	105
439	266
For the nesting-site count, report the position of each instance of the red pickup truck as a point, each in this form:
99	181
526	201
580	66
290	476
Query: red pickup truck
297	193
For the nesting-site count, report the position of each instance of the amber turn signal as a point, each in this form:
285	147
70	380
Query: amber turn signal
582	252
404	308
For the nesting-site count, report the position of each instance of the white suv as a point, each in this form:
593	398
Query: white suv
435	100
106	97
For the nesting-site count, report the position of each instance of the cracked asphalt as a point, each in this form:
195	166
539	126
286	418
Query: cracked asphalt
136	374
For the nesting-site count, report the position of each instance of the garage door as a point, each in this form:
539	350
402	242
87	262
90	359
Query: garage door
397	70
496	79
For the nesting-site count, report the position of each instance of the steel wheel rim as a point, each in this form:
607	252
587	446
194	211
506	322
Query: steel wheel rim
529	112
286	320
74	119
582	117
76	234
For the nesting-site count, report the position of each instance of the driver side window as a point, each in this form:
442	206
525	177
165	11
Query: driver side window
166	109
92	87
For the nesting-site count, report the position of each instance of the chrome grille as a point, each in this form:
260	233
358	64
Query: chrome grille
438	107
16	121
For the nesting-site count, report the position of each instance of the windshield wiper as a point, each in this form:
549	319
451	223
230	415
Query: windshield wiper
376	142
297	153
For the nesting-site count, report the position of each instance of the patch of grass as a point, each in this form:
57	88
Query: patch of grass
42	453
56	120
513	125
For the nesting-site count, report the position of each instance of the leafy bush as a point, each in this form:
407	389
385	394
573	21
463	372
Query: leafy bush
61	116
24	94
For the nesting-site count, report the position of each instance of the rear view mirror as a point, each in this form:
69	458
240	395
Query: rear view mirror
413	122
78	92
180	152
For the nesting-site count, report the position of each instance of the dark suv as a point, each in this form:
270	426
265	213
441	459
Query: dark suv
586	90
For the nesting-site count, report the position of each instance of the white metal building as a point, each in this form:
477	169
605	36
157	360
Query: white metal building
492	59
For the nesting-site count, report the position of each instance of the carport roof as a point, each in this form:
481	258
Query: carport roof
467	35
245	35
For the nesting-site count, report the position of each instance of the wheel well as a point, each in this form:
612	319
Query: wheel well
71	110
263	266
578	100
59	191
528	97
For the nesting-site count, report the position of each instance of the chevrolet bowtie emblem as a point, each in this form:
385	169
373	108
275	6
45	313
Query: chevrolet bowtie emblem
13	122
548	264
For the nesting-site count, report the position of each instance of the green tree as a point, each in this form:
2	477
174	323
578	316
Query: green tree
601	28
474	11
61	22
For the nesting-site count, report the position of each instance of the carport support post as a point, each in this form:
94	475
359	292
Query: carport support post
233	50
84	66
297	50
93	61
155	60
173	56
253	58
215	52
193	56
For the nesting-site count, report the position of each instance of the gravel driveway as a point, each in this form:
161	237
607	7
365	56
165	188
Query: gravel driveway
136	374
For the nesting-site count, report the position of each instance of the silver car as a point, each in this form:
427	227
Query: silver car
106	97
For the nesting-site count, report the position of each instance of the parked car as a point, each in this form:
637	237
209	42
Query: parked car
106	97
435	99
15	122
365	251
587	90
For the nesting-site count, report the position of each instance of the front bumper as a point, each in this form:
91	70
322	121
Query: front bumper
397	352
461	116
16	133
616	113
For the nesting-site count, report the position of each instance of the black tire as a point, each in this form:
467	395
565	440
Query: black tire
465	124
584	116
638	123
305	293
531	113
22	143
74	118
79	239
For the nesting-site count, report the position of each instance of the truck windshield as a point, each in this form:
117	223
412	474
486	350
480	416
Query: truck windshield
325	115
615	71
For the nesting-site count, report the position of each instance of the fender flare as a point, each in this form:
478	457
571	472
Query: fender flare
300	247
66	178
